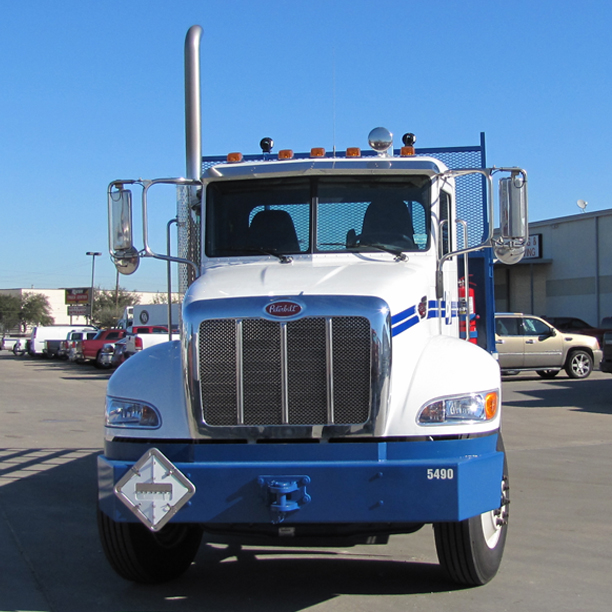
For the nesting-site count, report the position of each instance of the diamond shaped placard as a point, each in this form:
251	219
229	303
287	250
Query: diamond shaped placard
154	489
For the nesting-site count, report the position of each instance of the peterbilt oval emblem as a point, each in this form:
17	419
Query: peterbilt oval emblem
422	307
283	308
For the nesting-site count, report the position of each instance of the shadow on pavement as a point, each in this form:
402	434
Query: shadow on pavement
67	370
565	392
51	552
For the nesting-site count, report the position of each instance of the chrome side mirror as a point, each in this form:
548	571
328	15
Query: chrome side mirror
125	256
514	229
120	205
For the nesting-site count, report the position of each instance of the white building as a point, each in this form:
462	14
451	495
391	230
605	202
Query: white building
567	271
59	308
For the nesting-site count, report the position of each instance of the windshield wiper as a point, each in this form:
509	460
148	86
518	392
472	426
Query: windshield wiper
261	251
399	254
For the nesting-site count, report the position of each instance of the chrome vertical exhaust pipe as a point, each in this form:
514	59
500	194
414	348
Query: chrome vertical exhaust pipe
188	197
193	117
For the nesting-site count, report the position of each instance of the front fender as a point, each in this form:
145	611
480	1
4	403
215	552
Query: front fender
447	366
153	376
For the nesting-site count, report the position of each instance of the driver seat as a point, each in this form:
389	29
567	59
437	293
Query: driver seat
273	230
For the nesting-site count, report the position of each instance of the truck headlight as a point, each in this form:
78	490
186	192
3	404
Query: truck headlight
129	413
469	408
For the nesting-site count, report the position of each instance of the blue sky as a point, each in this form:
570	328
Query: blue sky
93	91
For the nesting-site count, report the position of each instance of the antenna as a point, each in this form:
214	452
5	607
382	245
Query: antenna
334	101
582	204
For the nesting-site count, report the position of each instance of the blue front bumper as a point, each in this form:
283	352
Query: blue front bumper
349	482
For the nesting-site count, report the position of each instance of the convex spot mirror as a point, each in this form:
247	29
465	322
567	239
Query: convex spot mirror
127	262
514	229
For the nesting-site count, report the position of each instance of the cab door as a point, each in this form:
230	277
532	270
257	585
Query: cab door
509	342
543	345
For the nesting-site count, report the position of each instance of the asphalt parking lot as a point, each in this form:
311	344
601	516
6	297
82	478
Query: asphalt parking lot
558	434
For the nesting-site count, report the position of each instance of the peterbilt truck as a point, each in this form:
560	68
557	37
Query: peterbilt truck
335	382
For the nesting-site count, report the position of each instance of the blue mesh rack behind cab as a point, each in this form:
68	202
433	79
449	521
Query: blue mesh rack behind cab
471	207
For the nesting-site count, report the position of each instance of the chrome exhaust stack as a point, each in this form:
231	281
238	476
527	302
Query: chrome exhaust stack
193	116
189	200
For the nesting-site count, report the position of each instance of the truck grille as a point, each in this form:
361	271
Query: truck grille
311	371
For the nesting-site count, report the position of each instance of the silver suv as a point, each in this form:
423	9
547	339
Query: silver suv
526	342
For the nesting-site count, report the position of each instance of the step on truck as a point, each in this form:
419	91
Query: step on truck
335	382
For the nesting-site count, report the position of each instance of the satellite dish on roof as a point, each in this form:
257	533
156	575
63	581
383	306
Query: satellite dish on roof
581	204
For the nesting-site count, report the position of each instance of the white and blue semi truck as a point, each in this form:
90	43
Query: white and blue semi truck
336	381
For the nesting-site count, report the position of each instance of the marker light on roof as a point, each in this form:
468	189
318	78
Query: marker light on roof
233	158
317	152
408	149
266	144
353	152
285	154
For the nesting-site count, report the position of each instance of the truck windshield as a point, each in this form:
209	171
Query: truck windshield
317	215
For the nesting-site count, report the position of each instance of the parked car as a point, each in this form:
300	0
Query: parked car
578	326
148	329
527	342
606	323
119	355
606	347
92	349
21	347
71	347
8	342
143	337
105	355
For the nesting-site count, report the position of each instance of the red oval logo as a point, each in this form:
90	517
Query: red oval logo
283	309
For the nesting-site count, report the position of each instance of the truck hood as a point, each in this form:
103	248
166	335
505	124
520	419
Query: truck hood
400	284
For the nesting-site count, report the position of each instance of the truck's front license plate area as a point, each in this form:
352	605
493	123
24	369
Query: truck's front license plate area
154	489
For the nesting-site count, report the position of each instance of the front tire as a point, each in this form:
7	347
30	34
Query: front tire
143	556
471	551
579	364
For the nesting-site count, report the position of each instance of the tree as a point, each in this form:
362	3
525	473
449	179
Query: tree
9	311
109	305
34	309
162	298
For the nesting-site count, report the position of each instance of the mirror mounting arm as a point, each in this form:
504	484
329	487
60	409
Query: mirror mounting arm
513	212
487	173
121	247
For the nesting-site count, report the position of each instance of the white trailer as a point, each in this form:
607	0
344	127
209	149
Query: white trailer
150	314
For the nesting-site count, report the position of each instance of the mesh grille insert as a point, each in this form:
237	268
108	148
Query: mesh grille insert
312	371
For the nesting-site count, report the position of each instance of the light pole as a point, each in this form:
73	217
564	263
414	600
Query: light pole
93	254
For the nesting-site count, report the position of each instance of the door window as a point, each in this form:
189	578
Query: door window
508	326
535	327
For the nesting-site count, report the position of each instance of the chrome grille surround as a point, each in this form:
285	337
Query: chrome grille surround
320	374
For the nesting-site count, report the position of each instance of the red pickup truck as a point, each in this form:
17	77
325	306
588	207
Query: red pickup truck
91	349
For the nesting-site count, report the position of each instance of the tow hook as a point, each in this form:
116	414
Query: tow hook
284	494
